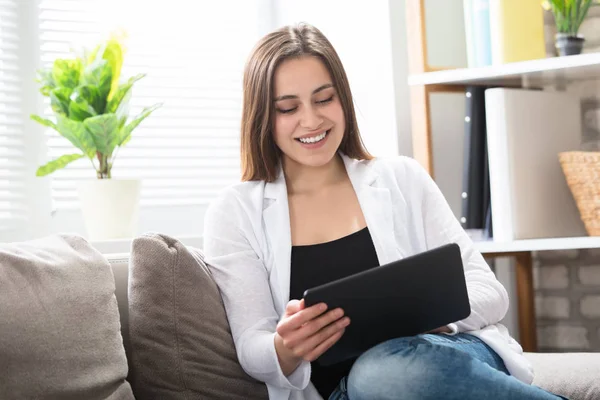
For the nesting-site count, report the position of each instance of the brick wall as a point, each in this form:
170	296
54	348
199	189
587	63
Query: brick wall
567	300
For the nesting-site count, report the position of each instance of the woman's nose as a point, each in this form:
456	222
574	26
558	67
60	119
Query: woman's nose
310	119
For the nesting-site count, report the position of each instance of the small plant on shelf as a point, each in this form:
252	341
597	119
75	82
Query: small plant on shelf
568	16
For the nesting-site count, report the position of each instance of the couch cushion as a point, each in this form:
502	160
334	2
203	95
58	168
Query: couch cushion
181	345
120	270
573	375
59	323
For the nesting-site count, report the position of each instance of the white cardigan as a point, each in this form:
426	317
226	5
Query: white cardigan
247	243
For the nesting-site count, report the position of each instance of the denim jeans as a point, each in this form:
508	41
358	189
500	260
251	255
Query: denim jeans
433	367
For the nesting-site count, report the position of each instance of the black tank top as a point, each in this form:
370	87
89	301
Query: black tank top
317	264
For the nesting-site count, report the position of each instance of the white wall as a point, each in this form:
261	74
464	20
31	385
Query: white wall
446	48
397	17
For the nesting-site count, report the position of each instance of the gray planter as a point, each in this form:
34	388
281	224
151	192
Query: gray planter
568	45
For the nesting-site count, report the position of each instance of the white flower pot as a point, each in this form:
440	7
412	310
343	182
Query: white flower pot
110	207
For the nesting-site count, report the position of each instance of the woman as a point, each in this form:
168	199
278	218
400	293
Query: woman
316	206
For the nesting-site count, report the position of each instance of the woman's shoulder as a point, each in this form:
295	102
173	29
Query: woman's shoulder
402	169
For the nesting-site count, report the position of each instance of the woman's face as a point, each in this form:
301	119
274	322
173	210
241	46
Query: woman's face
309	120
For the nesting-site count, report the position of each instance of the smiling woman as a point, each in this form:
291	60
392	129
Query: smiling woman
300	93
316	207
309	125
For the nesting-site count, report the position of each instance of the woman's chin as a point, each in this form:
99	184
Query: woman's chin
315	160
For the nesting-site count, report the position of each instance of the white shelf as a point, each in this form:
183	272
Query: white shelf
534	73
487	247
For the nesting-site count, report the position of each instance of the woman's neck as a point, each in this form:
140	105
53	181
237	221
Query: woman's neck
302	179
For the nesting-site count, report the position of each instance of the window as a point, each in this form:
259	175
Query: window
193	54
12	146
187	150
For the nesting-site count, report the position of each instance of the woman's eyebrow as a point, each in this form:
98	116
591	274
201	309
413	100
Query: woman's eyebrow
293	96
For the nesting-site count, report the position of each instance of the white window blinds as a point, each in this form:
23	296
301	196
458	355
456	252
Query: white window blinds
12	149
193	53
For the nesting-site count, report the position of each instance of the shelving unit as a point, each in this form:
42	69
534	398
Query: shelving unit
543	72
568	243
424	80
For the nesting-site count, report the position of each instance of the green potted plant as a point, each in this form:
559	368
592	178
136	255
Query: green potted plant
568	16
90	106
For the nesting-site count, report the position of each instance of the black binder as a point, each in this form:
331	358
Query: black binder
476	204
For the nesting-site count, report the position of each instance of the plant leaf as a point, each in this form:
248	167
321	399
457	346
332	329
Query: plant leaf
582	14
79	108
113	54
121	92
104	130
66	73
44	77
569	14
91	94
127	129
60	100
44	121
98	74
123	110
573	10
90	55
75	132
59	163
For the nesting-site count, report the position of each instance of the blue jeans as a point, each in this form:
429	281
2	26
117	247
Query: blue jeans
433	367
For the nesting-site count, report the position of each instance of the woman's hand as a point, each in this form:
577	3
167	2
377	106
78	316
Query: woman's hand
443	329
306	333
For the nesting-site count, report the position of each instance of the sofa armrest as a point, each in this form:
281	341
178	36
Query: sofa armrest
573	375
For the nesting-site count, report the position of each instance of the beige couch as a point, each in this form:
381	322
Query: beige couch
570	374
60	328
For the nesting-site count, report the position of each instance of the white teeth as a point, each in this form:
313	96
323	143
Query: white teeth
314	139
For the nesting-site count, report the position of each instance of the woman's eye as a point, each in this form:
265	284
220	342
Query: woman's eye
287	111
325	101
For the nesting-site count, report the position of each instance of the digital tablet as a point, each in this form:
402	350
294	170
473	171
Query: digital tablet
403	298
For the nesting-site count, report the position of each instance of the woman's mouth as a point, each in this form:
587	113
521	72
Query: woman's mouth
314	139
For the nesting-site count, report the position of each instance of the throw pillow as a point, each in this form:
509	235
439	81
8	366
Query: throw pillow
181	345
60	334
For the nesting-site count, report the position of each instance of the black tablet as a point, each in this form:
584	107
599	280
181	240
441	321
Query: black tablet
403	298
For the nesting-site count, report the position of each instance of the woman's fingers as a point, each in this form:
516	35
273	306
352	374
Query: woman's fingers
294	306
313	326
443	329
314	341
306	333
292	322
324	346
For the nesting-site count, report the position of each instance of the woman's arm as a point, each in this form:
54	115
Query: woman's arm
487	296
244	285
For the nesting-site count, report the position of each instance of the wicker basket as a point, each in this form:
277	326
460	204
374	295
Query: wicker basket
582	170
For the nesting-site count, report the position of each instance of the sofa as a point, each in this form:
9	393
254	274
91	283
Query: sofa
150	324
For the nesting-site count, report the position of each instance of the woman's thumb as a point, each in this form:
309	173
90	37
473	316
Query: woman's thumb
293	306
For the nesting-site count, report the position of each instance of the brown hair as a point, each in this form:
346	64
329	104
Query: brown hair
260	156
